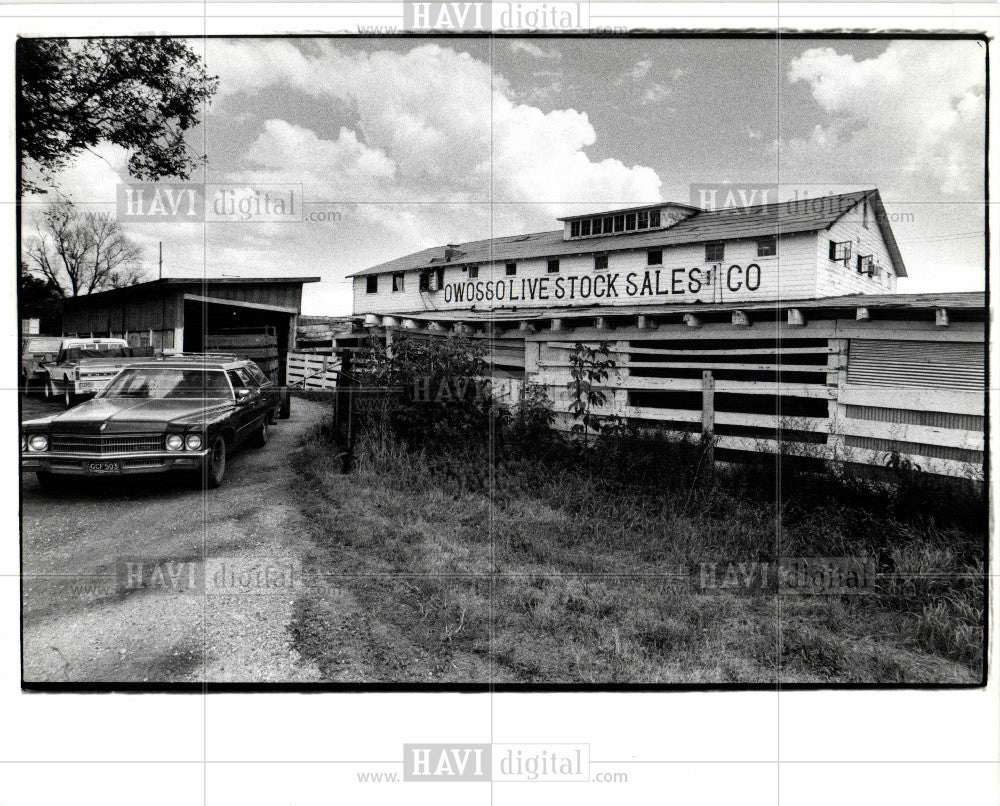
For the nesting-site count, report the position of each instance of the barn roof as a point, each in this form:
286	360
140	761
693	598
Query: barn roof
796	216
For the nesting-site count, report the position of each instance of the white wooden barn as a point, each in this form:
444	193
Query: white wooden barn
792	309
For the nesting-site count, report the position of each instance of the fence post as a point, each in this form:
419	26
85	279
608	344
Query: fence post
708	415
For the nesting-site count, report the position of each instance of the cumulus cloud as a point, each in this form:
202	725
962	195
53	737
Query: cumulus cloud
910	118
424	132
525	46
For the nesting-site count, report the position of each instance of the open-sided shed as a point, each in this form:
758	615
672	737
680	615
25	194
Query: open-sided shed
182	314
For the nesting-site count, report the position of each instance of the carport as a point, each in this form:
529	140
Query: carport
255	317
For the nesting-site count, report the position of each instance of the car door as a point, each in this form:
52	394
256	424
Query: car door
268	388
247	413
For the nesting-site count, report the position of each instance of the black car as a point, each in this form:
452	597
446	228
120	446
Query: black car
178	413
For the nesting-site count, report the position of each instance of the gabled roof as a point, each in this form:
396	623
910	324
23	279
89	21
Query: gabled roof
780	218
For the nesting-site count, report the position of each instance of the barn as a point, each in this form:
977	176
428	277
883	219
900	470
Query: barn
188	315
773	328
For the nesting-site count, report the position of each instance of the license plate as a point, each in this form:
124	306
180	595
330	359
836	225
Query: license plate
105	467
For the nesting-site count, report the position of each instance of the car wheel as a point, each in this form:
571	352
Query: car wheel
215	463
262	433
49	388
47	481
68	397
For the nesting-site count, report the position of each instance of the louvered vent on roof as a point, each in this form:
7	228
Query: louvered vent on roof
921	364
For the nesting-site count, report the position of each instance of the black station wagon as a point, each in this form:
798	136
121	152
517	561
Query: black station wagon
178	413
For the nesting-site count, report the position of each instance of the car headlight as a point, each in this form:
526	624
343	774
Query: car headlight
193	442
174	442
38	442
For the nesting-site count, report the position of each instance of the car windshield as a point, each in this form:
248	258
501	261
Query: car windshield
95	351
166	383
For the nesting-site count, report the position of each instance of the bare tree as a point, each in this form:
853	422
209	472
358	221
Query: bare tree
81	252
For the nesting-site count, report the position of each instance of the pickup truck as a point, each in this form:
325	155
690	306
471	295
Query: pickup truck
84	366
35	352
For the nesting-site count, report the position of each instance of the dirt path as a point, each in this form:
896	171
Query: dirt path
80	625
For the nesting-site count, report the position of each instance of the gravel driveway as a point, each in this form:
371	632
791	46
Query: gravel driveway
80	623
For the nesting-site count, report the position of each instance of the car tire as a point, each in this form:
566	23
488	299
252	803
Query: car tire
48	481
69	398
215	463
285	409
262	434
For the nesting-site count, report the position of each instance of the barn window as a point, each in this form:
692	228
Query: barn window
595	226
397	281
600	261
574	229
630	221
585	227
840	251
619	223
654	219
766	247
643	222
473	272
608	224
654	257
432	279
866	264
716	250
510	268
553	267
371	284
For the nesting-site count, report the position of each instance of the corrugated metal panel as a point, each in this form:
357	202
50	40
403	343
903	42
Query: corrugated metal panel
932	419
923	364
914	449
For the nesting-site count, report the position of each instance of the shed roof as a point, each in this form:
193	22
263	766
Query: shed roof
162	284
796	216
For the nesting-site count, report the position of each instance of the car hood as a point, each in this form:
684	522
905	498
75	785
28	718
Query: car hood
116	415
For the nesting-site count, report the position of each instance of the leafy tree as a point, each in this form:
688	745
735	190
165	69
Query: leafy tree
81	253
143	94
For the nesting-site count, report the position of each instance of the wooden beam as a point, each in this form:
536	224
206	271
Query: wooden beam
556	325
691	320
600	323
796	318
941	317
861	314
740	319
644	322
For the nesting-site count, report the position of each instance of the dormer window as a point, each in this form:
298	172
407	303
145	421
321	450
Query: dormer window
371	284
866	264
432	279
397	281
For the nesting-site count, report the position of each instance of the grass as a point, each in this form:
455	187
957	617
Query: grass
563	565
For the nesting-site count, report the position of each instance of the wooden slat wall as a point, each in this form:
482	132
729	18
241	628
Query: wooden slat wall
918	392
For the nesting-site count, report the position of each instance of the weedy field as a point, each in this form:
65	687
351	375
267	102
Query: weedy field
558	570
470	543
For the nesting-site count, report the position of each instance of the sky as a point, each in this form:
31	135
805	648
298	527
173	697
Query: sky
406	144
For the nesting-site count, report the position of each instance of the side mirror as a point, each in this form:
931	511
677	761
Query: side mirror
242	396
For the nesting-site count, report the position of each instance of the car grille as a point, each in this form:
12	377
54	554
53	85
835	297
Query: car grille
102	444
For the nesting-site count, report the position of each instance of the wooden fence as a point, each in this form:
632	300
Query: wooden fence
312	371
842	391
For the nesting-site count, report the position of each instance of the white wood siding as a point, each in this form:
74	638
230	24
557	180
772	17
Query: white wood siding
684	276
834	279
